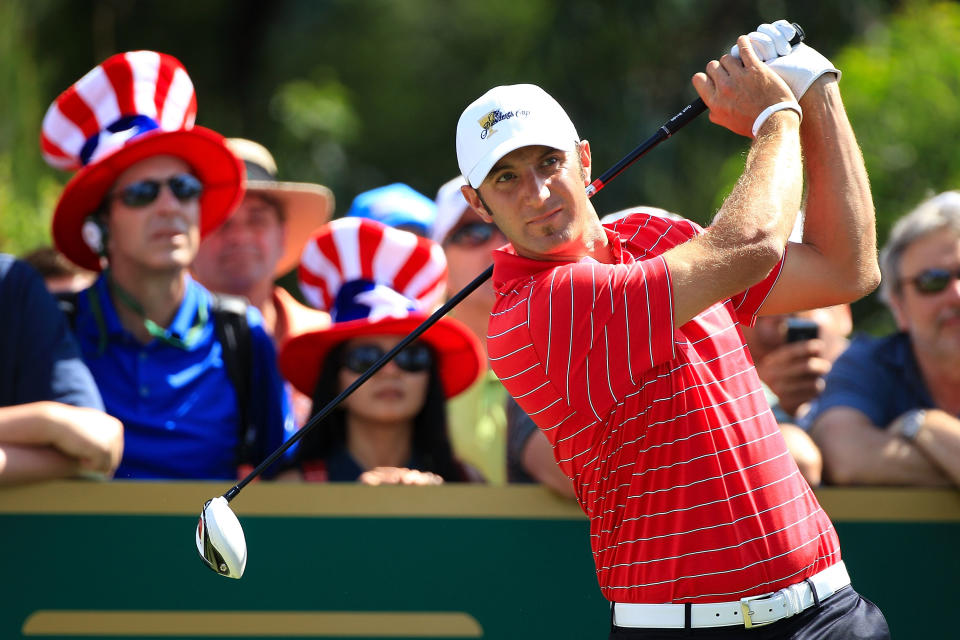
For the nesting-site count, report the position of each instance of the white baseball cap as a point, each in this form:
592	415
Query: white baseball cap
450	207
504	119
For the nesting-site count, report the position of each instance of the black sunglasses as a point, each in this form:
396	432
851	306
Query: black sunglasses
141	193
414	358
473	234
930	281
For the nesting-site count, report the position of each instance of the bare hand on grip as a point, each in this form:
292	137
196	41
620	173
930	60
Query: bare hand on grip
737	90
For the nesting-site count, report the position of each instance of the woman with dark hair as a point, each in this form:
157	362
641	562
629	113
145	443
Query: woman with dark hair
378	283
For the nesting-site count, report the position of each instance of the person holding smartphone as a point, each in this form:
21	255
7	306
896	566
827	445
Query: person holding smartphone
793	353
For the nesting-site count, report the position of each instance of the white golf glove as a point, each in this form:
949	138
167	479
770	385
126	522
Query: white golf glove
798	65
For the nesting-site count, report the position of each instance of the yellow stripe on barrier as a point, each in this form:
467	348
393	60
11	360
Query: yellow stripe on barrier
300	500
890	504
278	624
285	499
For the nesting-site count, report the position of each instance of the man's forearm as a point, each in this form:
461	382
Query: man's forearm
855	452
19	463
26	424
765	200
894	463
939	440
538	461
747	238
839	213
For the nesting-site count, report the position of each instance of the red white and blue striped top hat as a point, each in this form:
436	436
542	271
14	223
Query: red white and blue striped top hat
377	280
132	106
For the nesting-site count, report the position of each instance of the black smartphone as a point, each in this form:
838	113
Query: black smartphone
800	329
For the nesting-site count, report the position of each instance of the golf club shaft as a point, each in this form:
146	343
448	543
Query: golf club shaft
376	366
674	124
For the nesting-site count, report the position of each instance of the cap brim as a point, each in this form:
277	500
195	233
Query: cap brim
458	350
306	206
523	139
220	171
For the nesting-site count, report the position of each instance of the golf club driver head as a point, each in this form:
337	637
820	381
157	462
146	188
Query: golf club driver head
220	539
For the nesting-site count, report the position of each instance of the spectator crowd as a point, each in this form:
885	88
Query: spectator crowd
152	341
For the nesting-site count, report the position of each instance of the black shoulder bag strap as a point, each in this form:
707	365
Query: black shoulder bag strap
230	322
67	301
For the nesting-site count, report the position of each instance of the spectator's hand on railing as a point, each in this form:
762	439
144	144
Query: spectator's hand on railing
92	437
399	475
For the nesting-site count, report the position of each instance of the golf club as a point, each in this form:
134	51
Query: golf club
219	536
674	124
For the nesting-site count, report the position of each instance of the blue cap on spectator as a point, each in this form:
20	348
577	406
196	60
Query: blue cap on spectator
396	205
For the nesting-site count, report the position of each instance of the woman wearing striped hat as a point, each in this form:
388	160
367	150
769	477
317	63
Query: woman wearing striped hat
379	283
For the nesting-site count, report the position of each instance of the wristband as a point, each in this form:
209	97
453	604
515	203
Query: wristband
772	109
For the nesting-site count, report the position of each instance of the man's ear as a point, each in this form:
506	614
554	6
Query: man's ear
473	199
585	159
899	312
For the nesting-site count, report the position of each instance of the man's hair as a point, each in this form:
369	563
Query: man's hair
942	212
52	264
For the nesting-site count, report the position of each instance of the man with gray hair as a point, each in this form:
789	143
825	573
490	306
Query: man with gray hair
889	413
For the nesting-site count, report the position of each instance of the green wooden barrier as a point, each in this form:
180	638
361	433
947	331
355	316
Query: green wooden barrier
117	560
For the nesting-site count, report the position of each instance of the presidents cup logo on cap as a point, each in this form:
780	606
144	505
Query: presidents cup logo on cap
486	122
521	115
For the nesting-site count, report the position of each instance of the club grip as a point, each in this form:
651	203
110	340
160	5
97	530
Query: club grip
683	117
697	107
799	36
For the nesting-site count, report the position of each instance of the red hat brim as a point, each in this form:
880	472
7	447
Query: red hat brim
220	171
460	356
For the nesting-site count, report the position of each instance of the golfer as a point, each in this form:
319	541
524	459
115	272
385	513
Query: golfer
622	343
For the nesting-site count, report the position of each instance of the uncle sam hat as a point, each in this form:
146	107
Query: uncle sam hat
130	107
377	280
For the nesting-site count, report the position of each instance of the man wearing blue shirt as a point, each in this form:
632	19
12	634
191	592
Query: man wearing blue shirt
149	186
889	412
51	419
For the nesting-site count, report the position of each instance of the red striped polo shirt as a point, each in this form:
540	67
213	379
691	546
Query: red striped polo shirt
674	453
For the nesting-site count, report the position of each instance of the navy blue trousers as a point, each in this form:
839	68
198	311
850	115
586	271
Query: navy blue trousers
844	616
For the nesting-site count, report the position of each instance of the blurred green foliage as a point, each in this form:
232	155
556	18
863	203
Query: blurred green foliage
28	190
901	86
902	89
359	93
